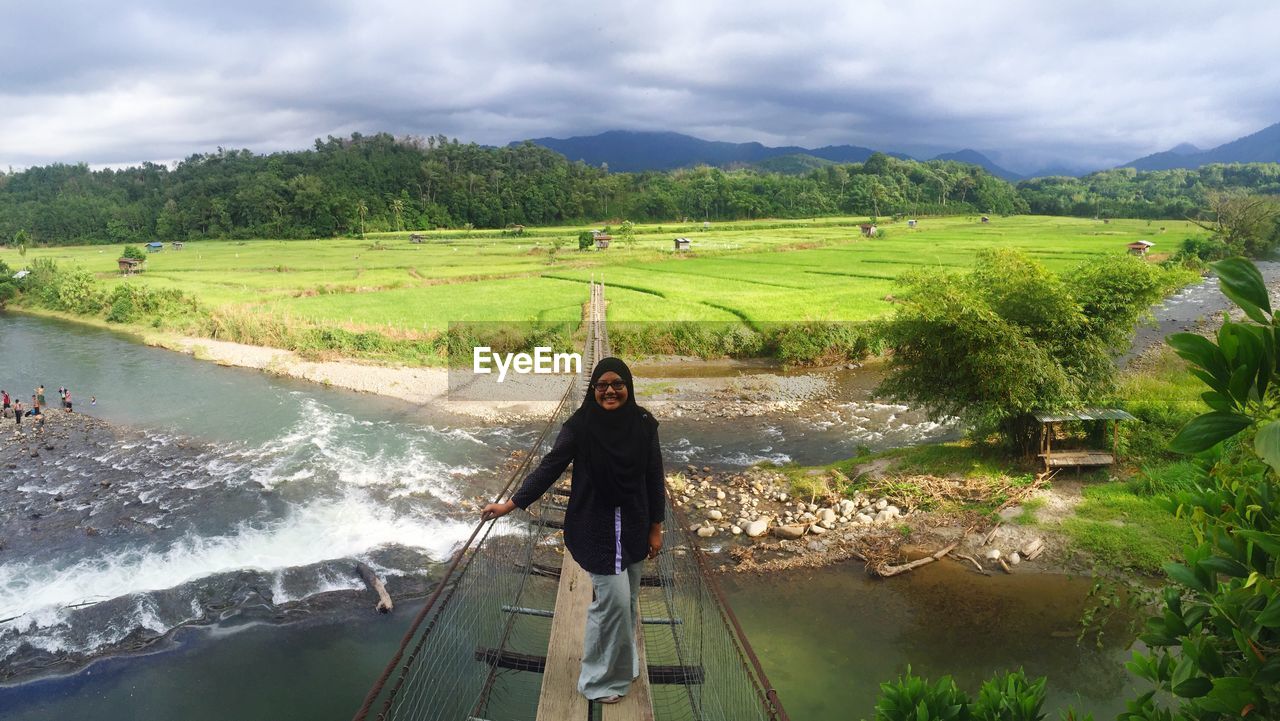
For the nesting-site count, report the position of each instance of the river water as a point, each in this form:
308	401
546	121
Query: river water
230	505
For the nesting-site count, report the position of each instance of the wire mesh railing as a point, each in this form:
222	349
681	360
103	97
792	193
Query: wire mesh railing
477	649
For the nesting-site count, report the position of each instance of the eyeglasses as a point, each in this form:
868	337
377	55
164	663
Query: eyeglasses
602	386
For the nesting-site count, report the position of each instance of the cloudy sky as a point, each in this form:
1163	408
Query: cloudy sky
1083	82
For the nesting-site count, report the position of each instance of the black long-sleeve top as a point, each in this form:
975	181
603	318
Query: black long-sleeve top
603	539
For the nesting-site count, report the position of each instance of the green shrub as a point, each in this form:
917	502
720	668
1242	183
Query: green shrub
911	698
1010	697
133	251
585	240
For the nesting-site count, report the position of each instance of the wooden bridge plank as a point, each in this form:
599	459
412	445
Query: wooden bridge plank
637	705
559	699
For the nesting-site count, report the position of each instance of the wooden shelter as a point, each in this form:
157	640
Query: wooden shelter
911	223
869	230
1074	454
417	238
155	247
683	243
129	266
177	245
986	219
602	241
1140	247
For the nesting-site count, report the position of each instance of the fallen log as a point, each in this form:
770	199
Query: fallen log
884	571
371	580
1004	565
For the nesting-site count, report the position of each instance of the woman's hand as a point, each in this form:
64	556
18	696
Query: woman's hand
497	510
655	539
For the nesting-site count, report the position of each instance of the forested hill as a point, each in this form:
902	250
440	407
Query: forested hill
378	183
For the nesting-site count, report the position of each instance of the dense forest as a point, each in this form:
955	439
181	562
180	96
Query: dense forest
347	186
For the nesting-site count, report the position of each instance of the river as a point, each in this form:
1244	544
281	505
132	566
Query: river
236	502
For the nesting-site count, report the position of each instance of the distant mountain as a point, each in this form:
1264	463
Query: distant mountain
1260	147
973	157
793	164
634	151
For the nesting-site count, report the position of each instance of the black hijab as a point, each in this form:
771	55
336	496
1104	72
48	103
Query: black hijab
615	444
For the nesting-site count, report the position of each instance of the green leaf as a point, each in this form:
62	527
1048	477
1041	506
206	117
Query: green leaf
1267	444
1269	542
1228	566
1193	688
1185	576
1206	431
1270	616
1230	695
1241	282
1217	401
1201	351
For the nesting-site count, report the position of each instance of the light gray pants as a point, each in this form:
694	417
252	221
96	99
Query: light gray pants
609	658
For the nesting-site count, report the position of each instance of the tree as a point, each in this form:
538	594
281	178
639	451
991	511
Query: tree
1246	224
993	345
133	251
362	211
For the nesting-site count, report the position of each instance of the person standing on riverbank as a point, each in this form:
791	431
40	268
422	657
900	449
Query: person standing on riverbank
4	399
17	413
617	502
39	399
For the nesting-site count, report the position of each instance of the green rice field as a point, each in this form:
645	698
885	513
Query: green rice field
820	270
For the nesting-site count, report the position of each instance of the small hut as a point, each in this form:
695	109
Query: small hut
911	223
155	247
417	238
986	219
176	245
1140	247
868	230
602	240
682	244
1074	450
129	266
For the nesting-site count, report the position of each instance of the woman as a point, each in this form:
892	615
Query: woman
614	518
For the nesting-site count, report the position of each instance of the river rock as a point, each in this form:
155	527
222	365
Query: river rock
721	495
893	511
1015	558
715	515
813	508
881	504
735	530
862	518
817	528
816	546
826	514
706	531
757	528
846	507
788	532
992	554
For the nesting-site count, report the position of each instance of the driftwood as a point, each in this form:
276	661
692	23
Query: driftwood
1004	565
972	560
1032	549
372	581
884	571
987	541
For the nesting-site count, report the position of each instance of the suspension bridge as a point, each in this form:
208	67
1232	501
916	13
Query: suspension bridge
501	637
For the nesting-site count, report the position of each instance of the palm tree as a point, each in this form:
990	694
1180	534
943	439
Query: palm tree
362	210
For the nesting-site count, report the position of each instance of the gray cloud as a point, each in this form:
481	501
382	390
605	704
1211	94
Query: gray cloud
1089	83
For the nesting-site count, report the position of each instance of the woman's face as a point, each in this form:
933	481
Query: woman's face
611	391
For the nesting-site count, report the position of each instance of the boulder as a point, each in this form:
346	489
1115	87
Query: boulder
826	514
735	530
992	554
715	515
757	528
706	531
862	518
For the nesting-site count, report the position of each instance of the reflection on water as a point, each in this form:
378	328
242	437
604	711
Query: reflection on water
829	637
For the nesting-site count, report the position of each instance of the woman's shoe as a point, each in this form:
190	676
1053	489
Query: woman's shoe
609	699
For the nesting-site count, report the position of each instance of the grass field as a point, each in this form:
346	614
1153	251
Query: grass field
752	271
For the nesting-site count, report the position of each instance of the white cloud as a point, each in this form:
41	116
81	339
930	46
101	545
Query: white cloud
1088	82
